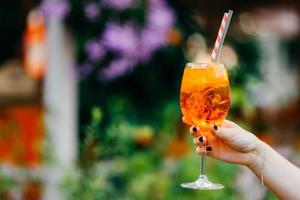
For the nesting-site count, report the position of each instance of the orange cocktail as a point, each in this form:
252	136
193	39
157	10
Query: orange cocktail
204	96
204	101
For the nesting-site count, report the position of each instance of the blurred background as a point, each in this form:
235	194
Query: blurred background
89	95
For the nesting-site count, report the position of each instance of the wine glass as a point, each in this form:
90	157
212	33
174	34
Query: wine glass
204	102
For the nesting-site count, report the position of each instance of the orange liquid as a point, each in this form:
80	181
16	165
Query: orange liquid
205	96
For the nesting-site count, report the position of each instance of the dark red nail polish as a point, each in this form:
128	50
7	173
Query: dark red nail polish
201	139
216	127
208	148
195	129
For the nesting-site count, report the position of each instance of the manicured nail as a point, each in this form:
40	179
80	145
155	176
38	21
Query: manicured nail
215	127
194	129
208	148
201	139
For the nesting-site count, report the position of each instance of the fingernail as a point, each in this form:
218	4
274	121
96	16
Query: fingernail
194	129
201	139
208	148
215	127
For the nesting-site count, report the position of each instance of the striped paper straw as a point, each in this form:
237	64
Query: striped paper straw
221	36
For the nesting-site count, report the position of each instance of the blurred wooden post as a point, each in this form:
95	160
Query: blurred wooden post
60	94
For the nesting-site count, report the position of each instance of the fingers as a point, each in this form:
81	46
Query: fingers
228	124
226	133
198	139
204	149
202	145
195	131
201	140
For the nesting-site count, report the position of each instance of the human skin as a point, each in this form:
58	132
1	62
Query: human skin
231	143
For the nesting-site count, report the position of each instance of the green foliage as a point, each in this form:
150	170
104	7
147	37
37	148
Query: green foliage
81	186
121	168
6	184
137	177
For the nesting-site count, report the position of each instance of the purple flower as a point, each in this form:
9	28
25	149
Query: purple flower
132	44
94	50
91	11
117	68
122	39
157	3
151	40
120	4
55	8
160	18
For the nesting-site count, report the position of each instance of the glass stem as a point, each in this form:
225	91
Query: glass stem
203	165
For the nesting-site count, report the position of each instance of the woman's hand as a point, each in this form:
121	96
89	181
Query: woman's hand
229	143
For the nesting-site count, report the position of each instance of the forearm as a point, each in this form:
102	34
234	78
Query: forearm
279	175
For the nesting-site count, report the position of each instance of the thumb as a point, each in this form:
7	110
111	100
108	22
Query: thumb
225	133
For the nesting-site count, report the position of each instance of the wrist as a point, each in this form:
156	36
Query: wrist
257	156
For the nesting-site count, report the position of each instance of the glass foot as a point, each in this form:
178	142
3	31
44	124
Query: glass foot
202	183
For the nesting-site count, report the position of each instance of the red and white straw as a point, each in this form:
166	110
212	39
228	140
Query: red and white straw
221	36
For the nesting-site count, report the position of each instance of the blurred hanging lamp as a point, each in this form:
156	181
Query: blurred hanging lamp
34	45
